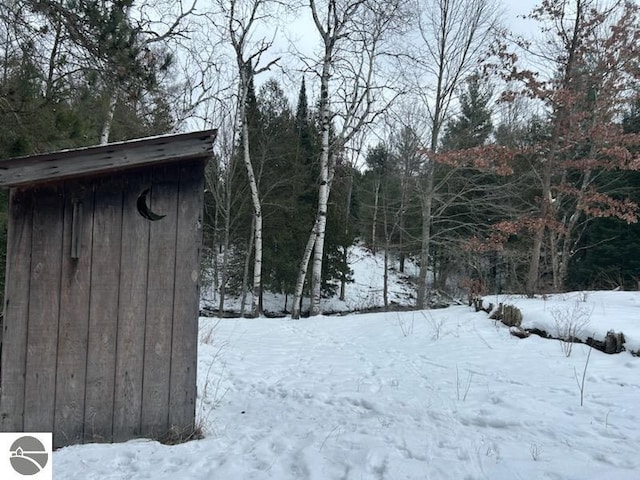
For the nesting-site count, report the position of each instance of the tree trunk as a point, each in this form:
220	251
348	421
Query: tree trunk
345	248
571	240
245	273
225	252
318	252
326	171
302	273
403	206
215	248
555	239
533	275
534	262
427	203
52	61
401	239
375	215
385	282
108	121
343	280
244	70
257	217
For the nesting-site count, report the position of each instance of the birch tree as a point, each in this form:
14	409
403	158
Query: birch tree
453	36
352	35
243	18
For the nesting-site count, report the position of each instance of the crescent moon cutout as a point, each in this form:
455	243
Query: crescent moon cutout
143	208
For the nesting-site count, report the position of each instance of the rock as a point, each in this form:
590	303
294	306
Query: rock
539	332
518	332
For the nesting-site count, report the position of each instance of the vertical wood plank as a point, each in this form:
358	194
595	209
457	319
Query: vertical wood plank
74	314
132	312
16	311
159	323
44	305
103	309
186	298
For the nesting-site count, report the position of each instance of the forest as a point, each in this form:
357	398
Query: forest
424	130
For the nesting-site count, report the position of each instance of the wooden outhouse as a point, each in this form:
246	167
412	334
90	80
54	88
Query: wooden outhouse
99	336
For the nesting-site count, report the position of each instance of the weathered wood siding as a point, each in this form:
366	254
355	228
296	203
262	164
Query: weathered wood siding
73	326
16	311
182	395
131	315
101	306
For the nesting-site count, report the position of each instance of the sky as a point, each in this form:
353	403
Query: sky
300	34
301	30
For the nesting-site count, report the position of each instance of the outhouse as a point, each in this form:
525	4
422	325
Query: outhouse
99	335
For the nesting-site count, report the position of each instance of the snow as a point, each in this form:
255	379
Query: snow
364	293
441	394
592	313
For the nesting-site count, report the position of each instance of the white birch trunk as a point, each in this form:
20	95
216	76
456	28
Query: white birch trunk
318	252
255	198
324	188
108	121
240	30
302	274
245	273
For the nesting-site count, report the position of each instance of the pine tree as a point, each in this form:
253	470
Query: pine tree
123	59
55	59
607	255
473	125
277	144
406	153
462	204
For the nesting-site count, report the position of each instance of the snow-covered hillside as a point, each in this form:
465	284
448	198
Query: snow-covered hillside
364	293
442	394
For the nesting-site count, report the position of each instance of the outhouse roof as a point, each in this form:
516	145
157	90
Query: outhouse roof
111	157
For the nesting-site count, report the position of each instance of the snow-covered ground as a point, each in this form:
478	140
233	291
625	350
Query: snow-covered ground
582	314
442	394
364	293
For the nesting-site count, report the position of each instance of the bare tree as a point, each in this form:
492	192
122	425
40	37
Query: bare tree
353	35
453	36
588	64
243	18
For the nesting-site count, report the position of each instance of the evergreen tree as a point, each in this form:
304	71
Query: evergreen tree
52	97
408	161
279	186
608	253
473	126
374	190
462	204
341	233
284	152
581	82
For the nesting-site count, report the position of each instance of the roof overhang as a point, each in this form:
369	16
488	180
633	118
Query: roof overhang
109	158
